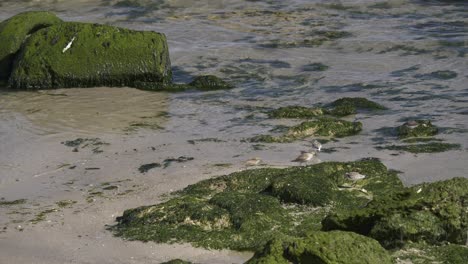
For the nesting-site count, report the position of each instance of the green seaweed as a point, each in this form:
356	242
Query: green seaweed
209	83
177	261
65	203
358	102
15	30
323	126
421	128
296	112
246	209
336	247
72	54
316	66
430	212
433	147
422	253
11	203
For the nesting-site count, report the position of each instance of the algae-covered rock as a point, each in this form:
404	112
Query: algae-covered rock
209	82
424	253
323	126
177	261
432	212
358	102
81	55
15	30
416	128
334	247
246	209
296	112
432	147
341	107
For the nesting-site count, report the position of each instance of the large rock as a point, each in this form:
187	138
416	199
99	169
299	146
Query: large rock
83	55
432	213
325	248
15	30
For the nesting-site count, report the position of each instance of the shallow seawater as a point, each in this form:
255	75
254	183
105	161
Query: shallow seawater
410	56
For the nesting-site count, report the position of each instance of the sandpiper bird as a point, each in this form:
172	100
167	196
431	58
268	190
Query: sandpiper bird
412	124
305	156
253	162
316	145
354	176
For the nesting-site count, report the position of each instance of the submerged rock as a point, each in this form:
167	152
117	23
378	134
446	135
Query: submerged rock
416	128
349	105
73	54
15	30
323	126
296	112
334	247
209	82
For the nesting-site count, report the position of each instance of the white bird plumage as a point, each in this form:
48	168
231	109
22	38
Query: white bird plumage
305	156
354	176
316	145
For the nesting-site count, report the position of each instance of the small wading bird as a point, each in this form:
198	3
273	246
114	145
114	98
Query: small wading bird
354	176
316	145
304	157
253	162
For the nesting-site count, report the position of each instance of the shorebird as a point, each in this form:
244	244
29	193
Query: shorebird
354	176
253	162
412	124
316	145
305	156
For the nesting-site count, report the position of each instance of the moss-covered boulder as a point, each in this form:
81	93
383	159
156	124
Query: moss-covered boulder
416	128
334	247
341	107
246	209
424	253
209	82
349	105
431	212
82	55
432	147
296	112
15	30
323	126
177	261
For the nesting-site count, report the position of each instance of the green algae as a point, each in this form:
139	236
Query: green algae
15	30
316	66
65	203
324	126
41	216
421	128
433	147
438	75
342	107
422	253
430	212
358	102
334	247
72	54
177	261
246	209
296	112
12	203
209	83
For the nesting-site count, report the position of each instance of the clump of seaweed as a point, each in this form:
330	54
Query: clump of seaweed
416	128
323	126
246	209
430	212
432	147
